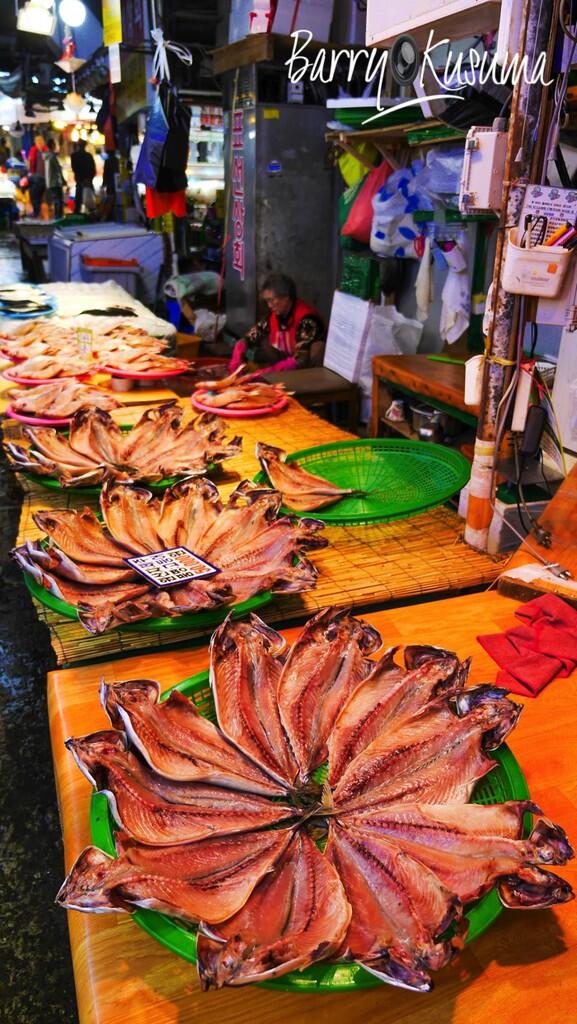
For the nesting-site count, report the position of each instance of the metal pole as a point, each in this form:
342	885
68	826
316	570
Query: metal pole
501	341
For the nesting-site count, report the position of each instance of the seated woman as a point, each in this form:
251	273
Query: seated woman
290	337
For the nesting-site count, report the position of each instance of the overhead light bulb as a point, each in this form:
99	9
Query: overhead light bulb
72	12
74	102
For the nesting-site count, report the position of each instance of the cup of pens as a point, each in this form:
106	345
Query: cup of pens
538	256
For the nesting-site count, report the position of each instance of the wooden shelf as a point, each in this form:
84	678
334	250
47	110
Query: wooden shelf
402	427
261	47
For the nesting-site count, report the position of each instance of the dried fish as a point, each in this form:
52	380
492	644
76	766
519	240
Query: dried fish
301	491
296	915
176	741
244	676
210	879
325	665
140	808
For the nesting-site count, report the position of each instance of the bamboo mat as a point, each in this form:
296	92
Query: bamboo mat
363	566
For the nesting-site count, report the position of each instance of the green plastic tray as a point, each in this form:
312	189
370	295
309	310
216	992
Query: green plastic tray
161	624
505	782
400	478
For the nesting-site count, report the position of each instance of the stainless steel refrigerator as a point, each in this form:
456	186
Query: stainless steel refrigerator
282	212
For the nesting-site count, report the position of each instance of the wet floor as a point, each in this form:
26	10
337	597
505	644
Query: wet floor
36	983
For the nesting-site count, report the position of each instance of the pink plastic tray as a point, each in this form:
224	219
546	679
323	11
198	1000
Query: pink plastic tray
152	375
33	381
36	421
237	414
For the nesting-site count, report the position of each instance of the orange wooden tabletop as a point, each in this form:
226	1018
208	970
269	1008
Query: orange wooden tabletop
525	964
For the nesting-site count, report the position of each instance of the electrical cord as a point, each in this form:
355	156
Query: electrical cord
534	338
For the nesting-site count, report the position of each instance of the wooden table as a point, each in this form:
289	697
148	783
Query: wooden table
525	965
560	518
441	384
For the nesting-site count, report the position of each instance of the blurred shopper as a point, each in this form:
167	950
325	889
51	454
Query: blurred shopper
84	170
54	180
109	175
5	153
36	178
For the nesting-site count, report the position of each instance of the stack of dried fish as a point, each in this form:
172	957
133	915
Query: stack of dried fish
405	745
301	491
54	339
253	550
239	391
139	360
157	447
59	400
44	367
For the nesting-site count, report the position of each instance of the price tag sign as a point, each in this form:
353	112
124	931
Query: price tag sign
85	338
171	567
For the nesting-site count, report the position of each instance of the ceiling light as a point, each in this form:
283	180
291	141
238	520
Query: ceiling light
37	16
35	79
74	102
72	12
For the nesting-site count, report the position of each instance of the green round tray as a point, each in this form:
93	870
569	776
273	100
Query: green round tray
401	478
161	624
505	782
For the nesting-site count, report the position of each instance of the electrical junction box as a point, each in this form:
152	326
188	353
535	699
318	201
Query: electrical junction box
451	19
483	171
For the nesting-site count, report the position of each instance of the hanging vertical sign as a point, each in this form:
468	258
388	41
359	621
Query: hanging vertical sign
114	63
238	210
111	22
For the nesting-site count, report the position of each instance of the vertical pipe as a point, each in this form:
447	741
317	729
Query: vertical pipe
523	130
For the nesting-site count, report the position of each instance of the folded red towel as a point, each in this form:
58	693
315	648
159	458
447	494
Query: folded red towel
543	647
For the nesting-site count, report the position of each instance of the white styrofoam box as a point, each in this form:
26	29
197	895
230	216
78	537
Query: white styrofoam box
453	19
314	15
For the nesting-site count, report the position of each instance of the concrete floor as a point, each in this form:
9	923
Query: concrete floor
36	982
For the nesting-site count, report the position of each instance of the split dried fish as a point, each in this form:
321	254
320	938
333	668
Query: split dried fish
301	491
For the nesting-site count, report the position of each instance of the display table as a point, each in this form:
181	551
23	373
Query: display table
363	566
439	384
527	961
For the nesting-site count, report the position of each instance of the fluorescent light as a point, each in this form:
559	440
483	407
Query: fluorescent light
72	12
36	17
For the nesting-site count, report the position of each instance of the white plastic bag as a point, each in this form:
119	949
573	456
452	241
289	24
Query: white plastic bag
391	334
393	231
207	324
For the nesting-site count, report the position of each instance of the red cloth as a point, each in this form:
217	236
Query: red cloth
159	203
285	338
534	653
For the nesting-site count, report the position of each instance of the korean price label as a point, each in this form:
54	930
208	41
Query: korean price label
85	339
171	567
